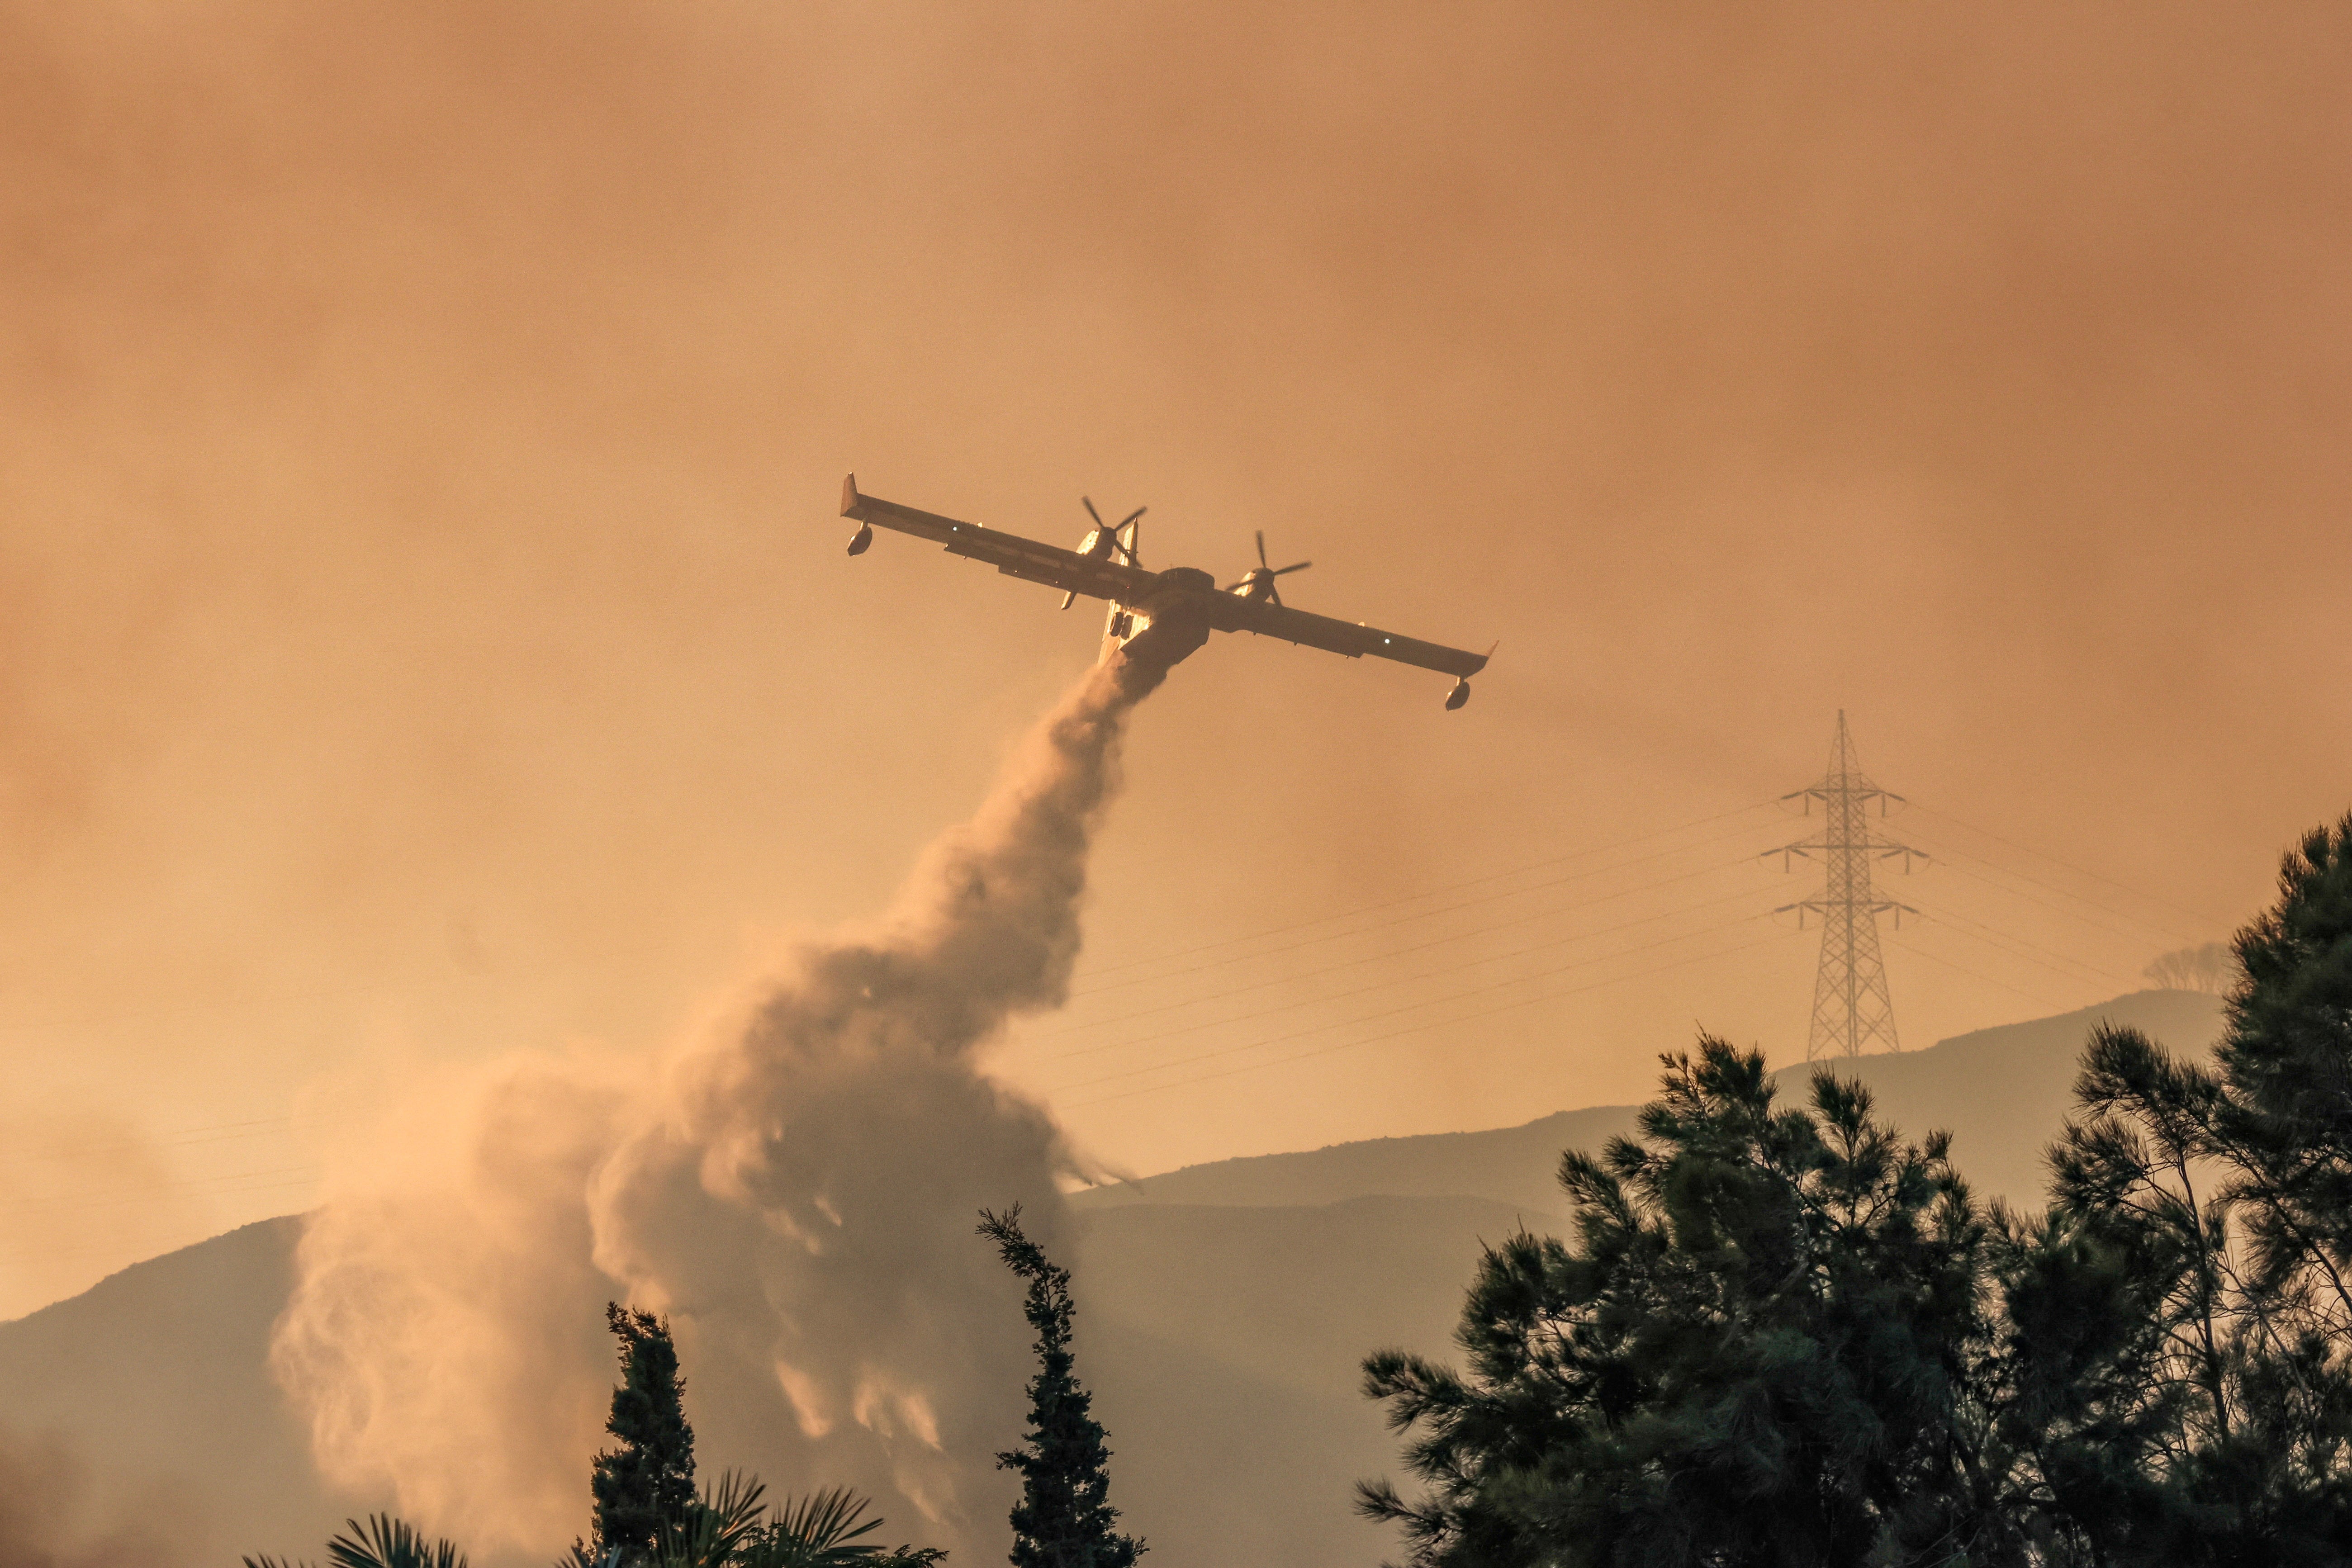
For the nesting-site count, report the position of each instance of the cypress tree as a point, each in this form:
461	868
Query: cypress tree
647	1483
1064	1519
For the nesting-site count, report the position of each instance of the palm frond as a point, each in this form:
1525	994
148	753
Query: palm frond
388	1543
734	1503
727	1528
817	1532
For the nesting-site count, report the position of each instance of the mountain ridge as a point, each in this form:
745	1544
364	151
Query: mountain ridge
1255	1284
2033	1062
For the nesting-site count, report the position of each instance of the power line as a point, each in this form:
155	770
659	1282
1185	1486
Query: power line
1916	951
2197	915
147	1192
2055	960
1393	1012
46	1254
2056	963
1415	898
1436	1023
2047	906
183	1138
1952	855
1400	952
1425	975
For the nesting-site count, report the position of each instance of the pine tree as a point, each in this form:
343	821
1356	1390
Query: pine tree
2181	1342
1062	1519
645	1484
2287	1059
1766	1346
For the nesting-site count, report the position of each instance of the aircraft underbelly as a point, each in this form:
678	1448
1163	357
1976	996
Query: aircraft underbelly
1158	636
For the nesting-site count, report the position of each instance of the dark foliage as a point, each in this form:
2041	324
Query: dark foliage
1764	1348
1064	1519
382	1541
2181	1317
729	1527
1786	1338
644	1486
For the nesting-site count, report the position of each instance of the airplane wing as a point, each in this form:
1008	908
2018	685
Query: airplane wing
1231	613
1009	553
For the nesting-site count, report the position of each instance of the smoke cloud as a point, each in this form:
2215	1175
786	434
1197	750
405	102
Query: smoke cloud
78	1183
796	1188
43	1498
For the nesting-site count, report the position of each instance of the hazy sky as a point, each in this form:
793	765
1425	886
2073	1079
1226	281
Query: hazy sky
425	631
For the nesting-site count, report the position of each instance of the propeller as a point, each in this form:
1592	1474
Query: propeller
1267	574
1119	534
1118	539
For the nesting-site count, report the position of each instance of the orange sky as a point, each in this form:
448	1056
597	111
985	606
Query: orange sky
424	629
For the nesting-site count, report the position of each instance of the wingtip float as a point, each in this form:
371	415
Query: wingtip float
1156	618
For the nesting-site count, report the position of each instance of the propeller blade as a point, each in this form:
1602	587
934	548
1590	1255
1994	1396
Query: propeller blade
1131	517
1235	587
1274	594
1302	566
1091	513
1261	547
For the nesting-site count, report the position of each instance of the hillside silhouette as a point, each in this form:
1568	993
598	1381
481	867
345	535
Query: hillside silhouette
1224	1310
2000	1093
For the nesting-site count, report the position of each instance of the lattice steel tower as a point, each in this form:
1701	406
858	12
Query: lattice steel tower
1851	1007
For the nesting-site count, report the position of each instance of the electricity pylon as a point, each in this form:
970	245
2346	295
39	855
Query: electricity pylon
1851	1007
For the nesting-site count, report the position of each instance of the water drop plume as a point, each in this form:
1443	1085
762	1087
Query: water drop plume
796	1189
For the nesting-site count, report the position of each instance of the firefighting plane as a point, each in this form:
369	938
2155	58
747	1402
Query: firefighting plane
1156	617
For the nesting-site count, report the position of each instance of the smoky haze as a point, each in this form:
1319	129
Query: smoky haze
46	1520
423	633
797	1193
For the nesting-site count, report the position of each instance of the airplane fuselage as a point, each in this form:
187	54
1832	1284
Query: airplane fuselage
1157	619
1163	627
